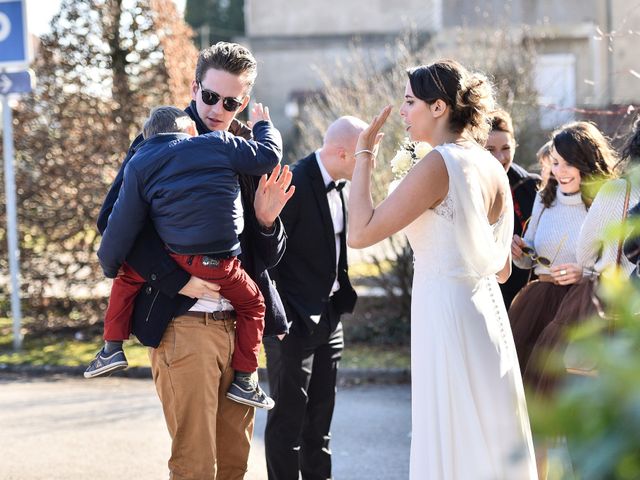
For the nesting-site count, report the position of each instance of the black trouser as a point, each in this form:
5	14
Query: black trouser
302	381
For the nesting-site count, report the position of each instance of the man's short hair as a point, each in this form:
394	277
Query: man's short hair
228	57
166	119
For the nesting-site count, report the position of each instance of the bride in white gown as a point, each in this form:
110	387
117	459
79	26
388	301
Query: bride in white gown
469	416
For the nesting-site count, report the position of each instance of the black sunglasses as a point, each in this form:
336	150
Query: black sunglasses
531	253
209	97
544	261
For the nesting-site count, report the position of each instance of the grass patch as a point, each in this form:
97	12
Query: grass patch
376	356
72	349
368	269
67	350
66	353
60	349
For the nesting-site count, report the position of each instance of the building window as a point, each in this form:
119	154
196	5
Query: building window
555	82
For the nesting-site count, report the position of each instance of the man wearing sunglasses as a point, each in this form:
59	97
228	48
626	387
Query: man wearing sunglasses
211	434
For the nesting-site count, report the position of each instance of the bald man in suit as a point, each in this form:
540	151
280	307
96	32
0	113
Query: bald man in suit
313	282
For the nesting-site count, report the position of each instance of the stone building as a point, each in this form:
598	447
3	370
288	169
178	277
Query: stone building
585	47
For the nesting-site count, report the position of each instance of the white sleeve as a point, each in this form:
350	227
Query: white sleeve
605	210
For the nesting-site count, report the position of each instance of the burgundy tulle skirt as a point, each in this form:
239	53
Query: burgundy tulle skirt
543	373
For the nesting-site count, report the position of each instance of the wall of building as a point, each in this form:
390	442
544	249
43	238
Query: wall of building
269	18
289	70
625	52
474	13
293	44
296	46
590	57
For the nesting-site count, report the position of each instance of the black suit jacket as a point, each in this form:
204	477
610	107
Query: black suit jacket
524	186
306	272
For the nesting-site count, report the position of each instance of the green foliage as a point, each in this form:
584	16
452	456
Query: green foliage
600	416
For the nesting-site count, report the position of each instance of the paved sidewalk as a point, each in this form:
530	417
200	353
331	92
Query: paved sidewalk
73	429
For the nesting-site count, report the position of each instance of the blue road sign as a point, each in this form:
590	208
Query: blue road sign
15	82
14	39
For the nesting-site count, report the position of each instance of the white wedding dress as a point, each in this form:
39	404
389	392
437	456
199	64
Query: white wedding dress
469	416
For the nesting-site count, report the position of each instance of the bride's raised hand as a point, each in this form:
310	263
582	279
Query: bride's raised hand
369	139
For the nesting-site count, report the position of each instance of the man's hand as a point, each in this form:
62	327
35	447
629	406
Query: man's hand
198	288
272	195
258	113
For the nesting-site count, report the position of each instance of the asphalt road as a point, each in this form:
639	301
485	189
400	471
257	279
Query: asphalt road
113	429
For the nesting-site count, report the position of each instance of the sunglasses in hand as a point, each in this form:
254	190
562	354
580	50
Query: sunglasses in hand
544	261
230	104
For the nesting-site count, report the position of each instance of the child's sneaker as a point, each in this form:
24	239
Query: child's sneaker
105	364
245	389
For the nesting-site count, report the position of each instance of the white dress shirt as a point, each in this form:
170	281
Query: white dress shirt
337	215
211	305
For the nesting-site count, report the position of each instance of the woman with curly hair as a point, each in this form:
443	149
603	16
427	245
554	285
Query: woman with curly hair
581	158
596	253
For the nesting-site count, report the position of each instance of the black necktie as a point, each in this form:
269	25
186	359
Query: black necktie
338	186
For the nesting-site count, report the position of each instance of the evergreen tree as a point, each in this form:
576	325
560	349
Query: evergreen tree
215	20
104	64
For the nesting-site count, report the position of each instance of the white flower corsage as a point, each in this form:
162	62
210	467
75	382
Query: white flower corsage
407	156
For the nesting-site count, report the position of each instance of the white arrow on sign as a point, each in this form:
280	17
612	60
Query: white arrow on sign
5	27
5	84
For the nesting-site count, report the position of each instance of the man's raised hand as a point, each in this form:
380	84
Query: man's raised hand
258	112
272	195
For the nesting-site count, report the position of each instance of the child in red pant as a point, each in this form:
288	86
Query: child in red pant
188	185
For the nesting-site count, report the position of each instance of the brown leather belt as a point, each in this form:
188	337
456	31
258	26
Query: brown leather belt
219	315
544	277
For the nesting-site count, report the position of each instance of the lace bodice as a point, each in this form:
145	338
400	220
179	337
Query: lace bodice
445	209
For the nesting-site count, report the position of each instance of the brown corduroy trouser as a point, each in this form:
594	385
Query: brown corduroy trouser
210	434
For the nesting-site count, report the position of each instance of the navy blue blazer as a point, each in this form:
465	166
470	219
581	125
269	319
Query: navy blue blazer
189	188
159	300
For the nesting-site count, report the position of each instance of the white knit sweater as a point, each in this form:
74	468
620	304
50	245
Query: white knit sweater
596	251
553	232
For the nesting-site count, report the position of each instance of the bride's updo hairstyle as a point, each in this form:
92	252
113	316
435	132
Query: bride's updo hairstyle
469	95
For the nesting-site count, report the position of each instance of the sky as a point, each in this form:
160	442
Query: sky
40	12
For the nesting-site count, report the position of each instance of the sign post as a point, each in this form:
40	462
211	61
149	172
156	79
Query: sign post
12	222
14	54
